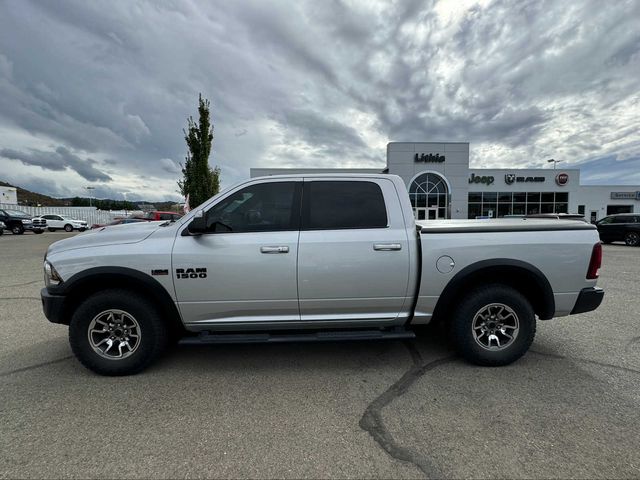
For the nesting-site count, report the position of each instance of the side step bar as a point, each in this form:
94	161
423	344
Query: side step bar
332	336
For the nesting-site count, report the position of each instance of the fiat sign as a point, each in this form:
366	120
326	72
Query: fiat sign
562	179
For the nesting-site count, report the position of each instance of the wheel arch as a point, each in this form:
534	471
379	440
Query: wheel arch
522	276
85	283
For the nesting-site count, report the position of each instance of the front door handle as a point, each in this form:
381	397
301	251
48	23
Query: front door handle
387	246
279	249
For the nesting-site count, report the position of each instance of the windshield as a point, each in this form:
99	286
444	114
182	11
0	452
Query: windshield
17	213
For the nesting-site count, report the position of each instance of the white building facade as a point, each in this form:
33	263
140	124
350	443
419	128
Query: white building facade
441	185
8	195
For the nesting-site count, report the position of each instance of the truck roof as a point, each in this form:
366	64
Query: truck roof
325	175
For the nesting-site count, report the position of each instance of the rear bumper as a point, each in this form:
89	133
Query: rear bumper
53	307
589	299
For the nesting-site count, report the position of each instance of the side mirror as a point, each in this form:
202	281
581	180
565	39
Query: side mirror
198	224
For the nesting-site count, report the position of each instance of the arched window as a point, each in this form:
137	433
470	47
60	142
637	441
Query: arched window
429	196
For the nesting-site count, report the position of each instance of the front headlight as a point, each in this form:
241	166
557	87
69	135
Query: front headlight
51	277
26	221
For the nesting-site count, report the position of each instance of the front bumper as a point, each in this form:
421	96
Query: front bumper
53	307
589	299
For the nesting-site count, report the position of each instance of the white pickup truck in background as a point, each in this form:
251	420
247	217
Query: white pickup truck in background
311	258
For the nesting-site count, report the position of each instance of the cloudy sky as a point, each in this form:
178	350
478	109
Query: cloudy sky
97	93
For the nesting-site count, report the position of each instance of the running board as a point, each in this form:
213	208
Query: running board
333	336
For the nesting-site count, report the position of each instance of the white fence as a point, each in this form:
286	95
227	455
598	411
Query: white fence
90	215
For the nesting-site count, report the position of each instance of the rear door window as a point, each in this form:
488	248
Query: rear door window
332	205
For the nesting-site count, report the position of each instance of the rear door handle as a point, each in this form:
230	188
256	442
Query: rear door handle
279	249
387	246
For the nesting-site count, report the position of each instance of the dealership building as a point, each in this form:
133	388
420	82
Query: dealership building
441	185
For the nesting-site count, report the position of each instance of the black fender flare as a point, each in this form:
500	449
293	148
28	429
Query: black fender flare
541	296
98	278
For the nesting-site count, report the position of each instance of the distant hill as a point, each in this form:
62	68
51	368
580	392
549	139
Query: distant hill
27	197
32	199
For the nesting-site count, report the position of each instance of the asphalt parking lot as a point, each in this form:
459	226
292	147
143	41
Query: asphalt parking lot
568	409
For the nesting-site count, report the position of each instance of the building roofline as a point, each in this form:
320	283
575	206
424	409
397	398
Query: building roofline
412	143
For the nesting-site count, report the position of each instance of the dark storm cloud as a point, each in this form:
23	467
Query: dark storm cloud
58	160
311	84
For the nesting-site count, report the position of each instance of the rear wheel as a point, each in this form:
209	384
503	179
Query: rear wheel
116	332
494	325
17	229
68	228
632	239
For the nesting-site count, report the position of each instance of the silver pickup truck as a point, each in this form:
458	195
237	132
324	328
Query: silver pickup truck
312	258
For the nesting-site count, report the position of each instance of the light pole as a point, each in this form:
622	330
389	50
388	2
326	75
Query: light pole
90	188
554	162
124	194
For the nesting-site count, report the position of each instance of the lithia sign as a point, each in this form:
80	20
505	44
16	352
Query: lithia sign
428	158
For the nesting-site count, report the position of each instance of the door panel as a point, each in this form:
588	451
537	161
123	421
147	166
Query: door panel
242	284
243	269
354	275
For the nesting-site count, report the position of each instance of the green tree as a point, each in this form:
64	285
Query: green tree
199	181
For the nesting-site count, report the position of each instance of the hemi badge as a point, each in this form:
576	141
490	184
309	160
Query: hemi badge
159	272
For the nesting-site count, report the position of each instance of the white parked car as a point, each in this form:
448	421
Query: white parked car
57	222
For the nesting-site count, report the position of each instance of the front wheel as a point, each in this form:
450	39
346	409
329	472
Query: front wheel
116	332
51	229
68	228
632	239
38	231
493	325
17	229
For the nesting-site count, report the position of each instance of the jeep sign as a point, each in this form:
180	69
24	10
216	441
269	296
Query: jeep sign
487	179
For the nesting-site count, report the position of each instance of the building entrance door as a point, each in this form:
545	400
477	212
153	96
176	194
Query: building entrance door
428	213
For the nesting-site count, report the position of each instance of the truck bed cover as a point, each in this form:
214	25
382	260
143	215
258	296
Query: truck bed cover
500	225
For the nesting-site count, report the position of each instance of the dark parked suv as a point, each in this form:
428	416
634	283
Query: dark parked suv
19	222
622	227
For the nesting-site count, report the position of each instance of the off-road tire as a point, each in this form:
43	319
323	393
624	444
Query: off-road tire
632	239
475	301
153	339
68	228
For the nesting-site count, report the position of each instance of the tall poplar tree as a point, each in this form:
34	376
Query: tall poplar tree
199	181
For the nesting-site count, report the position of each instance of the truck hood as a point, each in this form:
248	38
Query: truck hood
113	235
